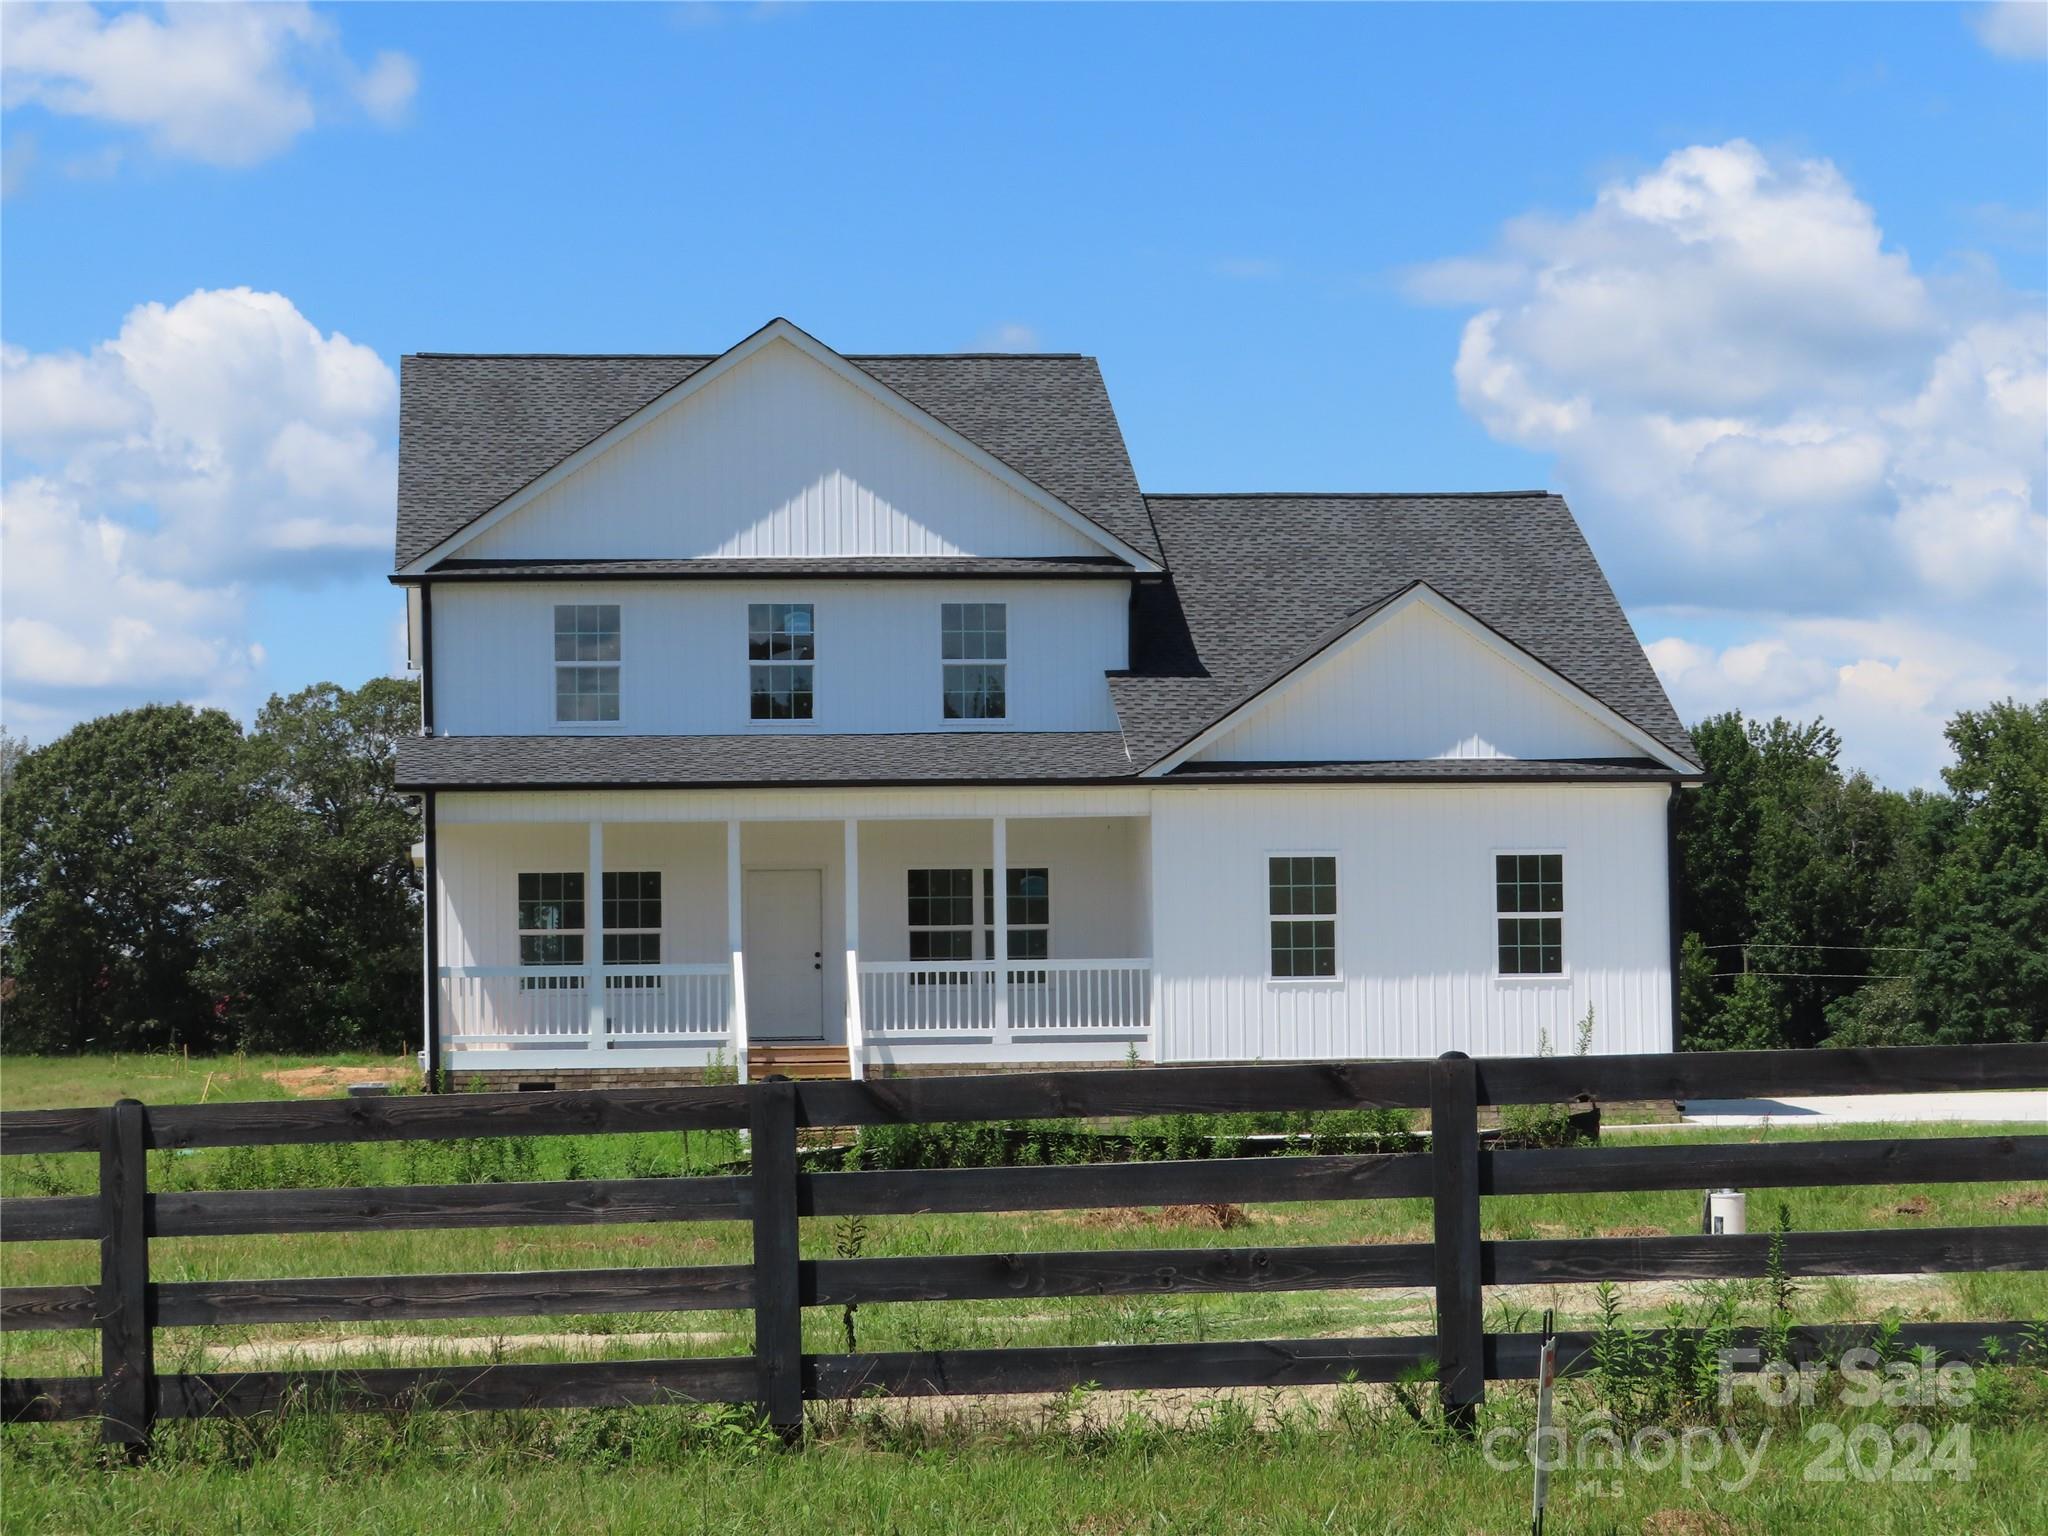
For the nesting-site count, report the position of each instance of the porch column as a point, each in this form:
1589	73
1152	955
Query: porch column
999	938
593	937
856	1044
733	943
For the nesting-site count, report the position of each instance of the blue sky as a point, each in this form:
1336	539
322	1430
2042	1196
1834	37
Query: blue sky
1760	288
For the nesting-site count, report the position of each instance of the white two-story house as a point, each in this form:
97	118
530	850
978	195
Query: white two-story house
798	711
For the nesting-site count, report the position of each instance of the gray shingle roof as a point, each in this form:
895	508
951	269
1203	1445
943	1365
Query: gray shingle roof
769	757
1259	583
474	429
849	567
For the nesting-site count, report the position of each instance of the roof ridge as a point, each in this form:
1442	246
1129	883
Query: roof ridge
693	357
1344	495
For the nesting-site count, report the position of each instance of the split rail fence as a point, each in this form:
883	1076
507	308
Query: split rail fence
127	1306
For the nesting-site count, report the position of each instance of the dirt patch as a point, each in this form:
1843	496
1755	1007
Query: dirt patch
319	1082
1686	1522
1127	1218
1917	1205
2023	1200
1633	1232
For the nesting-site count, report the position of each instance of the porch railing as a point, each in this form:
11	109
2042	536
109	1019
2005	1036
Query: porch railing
499	1007
910	1000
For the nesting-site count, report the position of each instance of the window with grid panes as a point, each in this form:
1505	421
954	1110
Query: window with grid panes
586	663
941	916
782	647
632	922
1529	913
551	927
1301	901
974	649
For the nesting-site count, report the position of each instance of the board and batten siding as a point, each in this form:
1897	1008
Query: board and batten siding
779	457
1415	921
683	654
1415	687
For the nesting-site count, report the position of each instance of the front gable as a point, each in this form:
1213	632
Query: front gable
780	449
1418	679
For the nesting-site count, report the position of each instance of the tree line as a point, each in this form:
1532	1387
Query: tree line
169	879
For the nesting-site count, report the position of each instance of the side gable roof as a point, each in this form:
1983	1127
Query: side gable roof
475	430
1260	583
1352	630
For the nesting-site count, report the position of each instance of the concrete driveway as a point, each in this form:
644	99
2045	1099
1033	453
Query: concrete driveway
1871	1108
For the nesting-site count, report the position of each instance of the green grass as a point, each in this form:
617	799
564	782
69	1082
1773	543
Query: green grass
1288	1462
1345	1462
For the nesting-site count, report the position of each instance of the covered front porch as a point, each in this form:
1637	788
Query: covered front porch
614	943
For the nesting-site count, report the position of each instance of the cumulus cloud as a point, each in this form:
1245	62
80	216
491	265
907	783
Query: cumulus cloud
210	445
1010	336
229	85
1766	414
2018	29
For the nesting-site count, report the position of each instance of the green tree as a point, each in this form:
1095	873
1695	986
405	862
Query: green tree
1983	915
103	882
316	942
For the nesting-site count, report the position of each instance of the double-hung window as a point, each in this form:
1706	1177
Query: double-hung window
632	922
551	928
782	650
586	663
974	651
1027	917
1301	906
1528	906
941	921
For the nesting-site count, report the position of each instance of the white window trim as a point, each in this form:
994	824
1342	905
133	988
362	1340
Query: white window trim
1269	917
1527	978
586	727
816	664
567	975
986	722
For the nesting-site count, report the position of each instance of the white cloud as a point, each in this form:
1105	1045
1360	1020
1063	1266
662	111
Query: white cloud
2018	29
1765	414
210	445
225	84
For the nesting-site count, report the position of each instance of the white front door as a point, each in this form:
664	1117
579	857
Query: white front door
785	954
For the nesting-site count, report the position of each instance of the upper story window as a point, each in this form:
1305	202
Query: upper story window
1528	905
782	645
974	649
1301	902
586	662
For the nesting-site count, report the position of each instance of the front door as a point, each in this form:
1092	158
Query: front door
785	954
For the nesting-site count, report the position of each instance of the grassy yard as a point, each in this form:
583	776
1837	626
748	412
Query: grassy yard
1369	1469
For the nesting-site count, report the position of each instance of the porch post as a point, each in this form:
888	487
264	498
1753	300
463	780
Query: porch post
430	883
593	941
999	939
856	1045
733	943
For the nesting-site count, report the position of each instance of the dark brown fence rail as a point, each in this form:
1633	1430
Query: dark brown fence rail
126	1307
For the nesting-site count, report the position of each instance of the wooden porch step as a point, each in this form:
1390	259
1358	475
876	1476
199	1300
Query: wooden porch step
798	1061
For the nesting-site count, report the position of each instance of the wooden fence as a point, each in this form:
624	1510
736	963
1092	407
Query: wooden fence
126	1307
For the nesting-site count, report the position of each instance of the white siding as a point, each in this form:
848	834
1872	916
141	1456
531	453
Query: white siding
779	457
1415	926
480	867
1092	866
1415	687
684	654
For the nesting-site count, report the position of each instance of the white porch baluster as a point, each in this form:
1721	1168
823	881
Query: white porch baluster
733	942
593	940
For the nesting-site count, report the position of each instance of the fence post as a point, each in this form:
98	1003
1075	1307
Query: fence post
127	1357
778	1313
1460	1301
